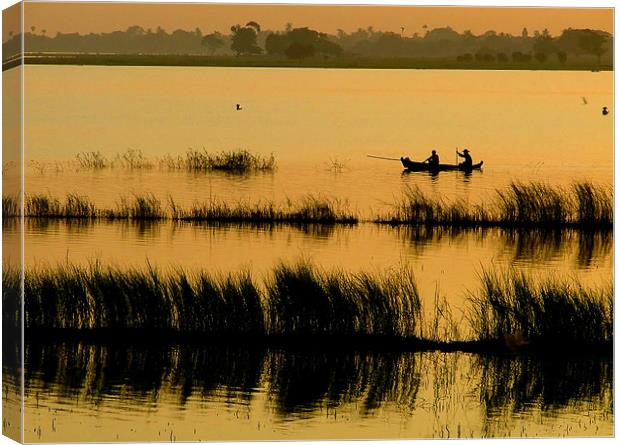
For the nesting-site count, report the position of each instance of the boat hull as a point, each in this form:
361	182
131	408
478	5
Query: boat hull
414	166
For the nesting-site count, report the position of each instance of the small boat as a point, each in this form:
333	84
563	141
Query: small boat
414	166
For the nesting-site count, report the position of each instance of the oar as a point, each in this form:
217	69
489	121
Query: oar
383	157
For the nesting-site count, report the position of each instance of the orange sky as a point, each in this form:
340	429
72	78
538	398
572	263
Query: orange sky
103	17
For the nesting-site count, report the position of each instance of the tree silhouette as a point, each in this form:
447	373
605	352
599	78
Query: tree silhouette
592	43
244	40
301	42
543	44
213	42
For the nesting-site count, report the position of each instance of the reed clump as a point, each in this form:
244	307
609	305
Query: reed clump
234	161
10	206
92	160
519	310
137	207
309	209
584	205
133	159
298	300
95	297
417	207
303	300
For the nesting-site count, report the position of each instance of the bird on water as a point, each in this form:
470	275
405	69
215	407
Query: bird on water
605	111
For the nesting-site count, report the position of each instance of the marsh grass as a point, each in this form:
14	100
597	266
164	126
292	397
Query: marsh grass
10	206
237	161
585	205
417	207
233	161
91	298
133	159
308	209
298	300
92	160
521	310
303	302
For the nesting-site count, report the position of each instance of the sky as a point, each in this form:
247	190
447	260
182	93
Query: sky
105	17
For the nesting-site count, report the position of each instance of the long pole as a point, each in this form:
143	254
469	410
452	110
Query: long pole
383	157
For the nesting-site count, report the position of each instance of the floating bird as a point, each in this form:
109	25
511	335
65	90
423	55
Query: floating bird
605	111
585	101
239	107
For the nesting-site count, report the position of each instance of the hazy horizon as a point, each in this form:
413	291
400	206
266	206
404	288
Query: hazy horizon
85	18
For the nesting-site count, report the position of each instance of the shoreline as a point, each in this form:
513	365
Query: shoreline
173	60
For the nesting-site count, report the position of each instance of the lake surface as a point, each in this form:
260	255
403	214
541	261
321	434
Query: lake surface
526	126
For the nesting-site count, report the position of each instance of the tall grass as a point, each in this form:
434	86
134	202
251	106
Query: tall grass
92	160
306	301
78	298
519	205
308	209
10	206
301	301
296	301
233	161
520	310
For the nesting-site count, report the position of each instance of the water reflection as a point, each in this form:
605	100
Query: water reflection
549	382
303	384
581	248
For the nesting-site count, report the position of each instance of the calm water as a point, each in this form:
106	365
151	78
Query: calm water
431	253
526	126
81	392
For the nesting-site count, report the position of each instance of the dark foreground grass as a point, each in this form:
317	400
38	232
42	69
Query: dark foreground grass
301	302
585	205
297	301
519	310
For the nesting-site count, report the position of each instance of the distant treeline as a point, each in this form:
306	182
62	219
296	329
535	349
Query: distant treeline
304	43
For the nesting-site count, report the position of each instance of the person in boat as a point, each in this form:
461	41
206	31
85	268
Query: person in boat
467	163
433	159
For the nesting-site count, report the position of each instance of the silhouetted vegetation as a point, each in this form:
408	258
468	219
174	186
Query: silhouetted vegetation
10	206
534	205
306	301
308	209
437	48
520	310
301	302
300	43
244	39
237	161
240	161
519	205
